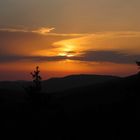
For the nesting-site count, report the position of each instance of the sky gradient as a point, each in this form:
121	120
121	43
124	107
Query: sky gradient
68	37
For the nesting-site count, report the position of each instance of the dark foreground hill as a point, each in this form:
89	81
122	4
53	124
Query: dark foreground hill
105	110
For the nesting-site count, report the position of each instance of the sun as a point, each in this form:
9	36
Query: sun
66	54
67	50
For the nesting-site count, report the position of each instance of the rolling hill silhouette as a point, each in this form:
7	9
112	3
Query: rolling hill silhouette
59	84
72	81
85	106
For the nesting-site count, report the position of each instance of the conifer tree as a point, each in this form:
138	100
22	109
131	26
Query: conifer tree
36	80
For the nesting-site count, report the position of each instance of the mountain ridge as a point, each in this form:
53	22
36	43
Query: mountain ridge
60	84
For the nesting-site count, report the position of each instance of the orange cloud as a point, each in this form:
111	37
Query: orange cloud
69	53
127	42
42	30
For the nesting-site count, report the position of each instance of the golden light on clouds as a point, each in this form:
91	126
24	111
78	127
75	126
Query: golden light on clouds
69	53
43	30
127	42
58	49
67	50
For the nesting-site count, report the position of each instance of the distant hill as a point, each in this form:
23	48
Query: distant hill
115	84
102	93
59	84
73	81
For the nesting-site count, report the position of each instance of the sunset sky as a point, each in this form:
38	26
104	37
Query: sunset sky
66	37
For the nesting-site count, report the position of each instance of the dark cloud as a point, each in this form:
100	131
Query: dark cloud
89	56
47	58
14	58
108	56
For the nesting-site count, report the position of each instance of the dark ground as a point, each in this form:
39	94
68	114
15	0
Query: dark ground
108	110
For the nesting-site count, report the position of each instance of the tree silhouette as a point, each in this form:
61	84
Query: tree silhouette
138	64
36	80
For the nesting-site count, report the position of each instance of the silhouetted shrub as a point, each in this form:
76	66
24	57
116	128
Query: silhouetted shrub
138	64
35	88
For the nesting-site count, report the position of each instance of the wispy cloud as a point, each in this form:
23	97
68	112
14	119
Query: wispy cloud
42	30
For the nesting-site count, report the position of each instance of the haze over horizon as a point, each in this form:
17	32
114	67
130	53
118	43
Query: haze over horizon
68	37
